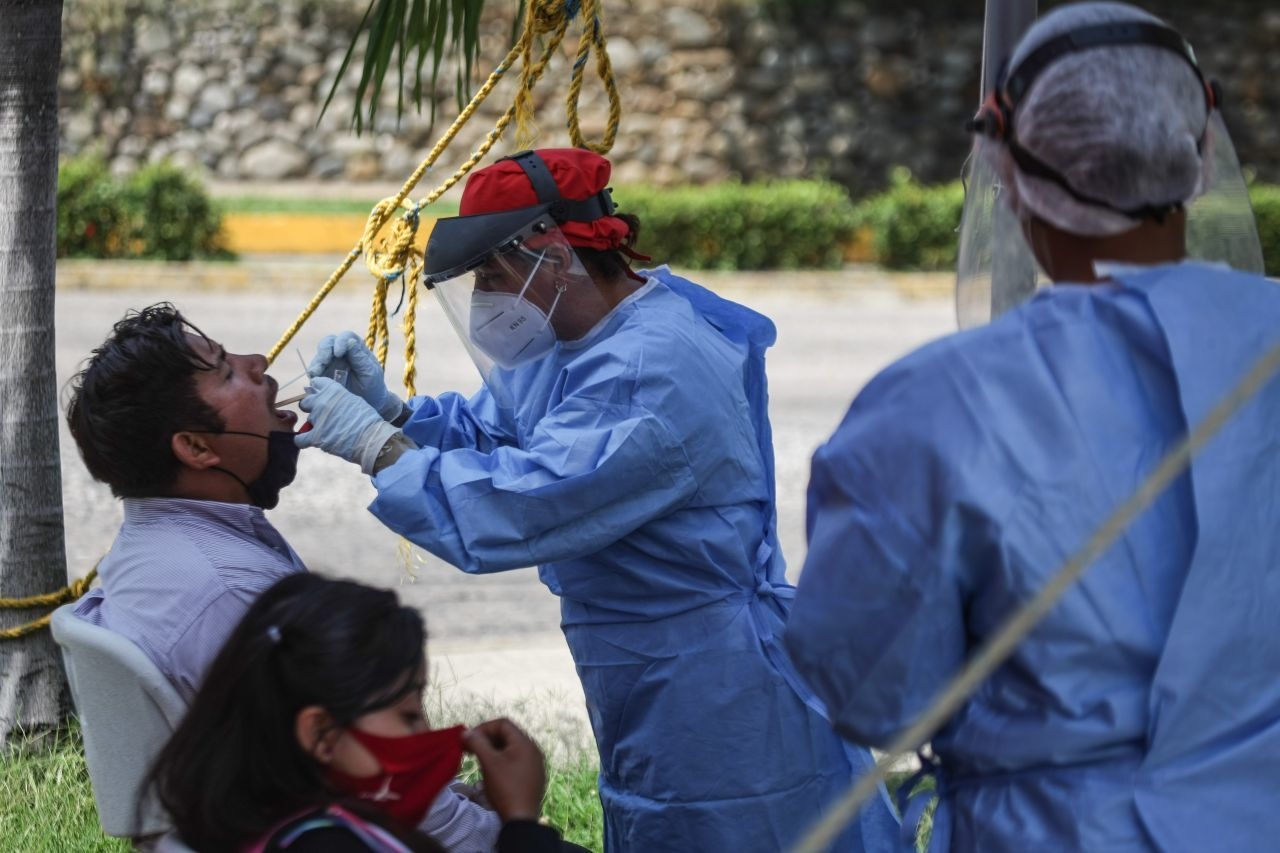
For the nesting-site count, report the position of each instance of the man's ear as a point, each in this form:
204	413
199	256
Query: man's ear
317	732
192	449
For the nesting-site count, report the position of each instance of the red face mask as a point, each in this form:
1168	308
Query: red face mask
415	769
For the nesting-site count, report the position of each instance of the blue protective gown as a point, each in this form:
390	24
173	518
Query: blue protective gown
1143	713
636	471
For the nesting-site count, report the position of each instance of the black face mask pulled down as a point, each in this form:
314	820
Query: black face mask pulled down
281	467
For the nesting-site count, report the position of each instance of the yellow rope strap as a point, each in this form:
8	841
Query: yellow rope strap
70	592
394	256
604	68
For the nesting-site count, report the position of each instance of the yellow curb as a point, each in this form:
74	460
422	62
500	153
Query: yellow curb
334	234
299	233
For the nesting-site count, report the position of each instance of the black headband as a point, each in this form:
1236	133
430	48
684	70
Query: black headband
1019	79
997	116
562	209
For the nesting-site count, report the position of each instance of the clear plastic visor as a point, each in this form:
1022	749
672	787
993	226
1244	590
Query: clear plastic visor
513	305
998	271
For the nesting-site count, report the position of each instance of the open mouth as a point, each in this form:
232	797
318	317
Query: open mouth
287	418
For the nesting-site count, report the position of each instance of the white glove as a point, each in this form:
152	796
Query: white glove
365	374
343	424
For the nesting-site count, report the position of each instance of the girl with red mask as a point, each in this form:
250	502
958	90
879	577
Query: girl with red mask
308	734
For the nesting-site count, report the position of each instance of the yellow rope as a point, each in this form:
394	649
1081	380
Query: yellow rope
70	592
390	258
604	68
542	16
396	256
376	339
410	330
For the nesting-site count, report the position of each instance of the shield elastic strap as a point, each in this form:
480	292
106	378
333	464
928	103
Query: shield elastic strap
996	117
562	209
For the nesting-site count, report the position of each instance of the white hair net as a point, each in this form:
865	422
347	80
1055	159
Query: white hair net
1124	144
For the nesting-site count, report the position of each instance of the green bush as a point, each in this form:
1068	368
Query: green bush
159	212
1266	210
92	218
913	226
173	218
734	226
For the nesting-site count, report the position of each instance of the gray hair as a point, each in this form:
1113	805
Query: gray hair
1123	124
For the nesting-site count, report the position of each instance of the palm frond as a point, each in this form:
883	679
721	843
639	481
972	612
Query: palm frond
395	30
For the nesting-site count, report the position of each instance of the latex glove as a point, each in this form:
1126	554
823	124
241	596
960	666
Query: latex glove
365	377
515	773
343	424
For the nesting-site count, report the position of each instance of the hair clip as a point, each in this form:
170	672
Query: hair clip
273	633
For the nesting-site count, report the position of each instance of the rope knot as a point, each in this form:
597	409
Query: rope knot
549	16
80	586
388	257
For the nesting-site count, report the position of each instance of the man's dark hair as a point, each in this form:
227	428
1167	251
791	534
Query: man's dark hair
136	392
233	768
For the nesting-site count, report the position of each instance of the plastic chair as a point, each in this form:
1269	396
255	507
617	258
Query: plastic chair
127	711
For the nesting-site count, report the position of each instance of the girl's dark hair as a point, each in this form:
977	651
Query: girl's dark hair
137	390
234	768
608	264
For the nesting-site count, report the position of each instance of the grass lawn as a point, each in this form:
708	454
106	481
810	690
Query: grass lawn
45	800
46	803
302	206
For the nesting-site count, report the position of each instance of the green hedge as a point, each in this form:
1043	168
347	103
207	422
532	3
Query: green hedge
158	212
915	227
161	212
92	221
734	226
1266	210
174	219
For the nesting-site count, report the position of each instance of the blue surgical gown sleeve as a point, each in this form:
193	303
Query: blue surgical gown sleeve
450	421
598	465
877	625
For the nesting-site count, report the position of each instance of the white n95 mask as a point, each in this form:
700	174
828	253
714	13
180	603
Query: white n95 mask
509	328
493	275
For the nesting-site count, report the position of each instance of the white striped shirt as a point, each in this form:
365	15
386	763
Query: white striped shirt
179	577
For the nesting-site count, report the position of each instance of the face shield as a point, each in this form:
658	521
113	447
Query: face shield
996	269
514	290
1005	185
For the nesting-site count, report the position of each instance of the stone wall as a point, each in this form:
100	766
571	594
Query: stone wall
711	89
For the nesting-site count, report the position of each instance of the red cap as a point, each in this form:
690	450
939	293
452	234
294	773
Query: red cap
579	174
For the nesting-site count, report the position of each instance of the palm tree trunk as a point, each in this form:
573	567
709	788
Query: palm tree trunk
33	689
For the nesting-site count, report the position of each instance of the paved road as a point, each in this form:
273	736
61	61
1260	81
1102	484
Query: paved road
496	635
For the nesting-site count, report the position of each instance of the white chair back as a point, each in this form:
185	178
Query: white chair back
127	711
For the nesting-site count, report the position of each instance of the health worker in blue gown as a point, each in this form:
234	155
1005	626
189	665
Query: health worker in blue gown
621	443
1143	712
